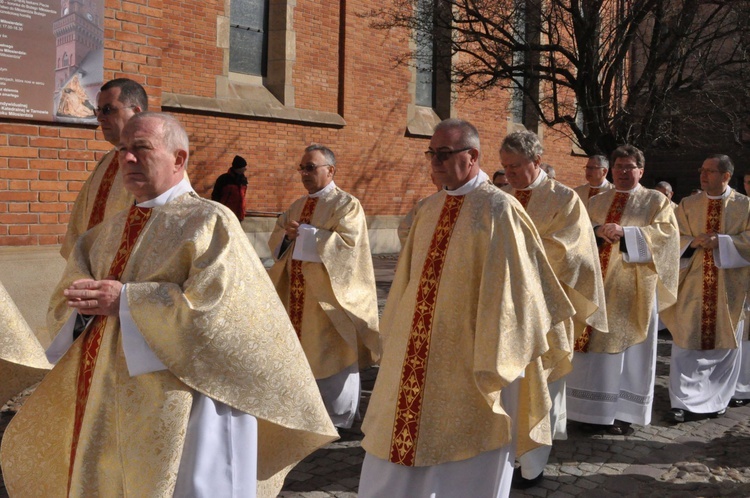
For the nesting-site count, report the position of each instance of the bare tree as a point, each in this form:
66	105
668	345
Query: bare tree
609	71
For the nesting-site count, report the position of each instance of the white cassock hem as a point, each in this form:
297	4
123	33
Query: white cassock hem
742	390
532	463
605	387
703	381
341	393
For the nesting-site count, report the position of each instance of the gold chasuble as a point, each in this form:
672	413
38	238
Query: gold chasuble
467	314
101	196
199	295
630	287
22	360
565	229
333	304
586	191
711	300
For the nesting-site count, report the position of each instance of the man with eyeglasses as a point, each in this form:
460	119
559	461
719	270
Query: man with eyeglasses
565	229
324	276
103	194
707	321
461	382
596	177
612	383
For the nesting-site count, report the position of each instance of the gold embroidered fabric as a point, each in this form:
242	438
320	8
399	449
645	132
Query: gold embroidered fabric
202	300
497	297
684	318
117	200
585	191
563	223
22	360
340	312
630	287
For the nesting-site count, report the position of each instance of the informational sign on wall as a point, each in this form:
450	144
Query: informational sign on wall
51	59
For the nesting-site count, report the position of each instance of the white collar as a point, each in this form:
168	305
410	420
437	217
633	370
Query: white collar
632	190
723	195
168	196
469	186
604	184
539	179
323	191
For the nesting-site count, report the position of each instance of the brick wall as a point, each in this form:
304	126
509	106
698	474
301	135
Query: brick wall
171	46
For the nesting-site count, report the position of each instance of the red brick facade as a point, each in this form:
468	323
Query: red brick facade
170	46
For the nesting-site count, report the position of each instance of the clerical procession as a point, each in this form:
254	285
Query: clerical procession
517	316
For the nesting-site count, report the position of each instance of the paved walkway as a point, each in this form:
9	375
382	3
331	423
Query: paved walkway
706	458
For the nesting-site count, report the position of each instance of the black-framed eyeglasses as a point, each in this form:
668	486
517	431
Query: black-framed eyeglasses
703	170
110	109
443	155
310	167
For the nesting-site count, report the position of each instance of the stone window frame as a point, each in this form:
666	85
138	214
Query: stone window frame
269	97
421	120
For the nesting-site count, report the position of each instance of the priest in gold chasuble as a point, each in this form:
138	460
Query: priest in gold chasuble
462	383
188	379
708	319
103	193
612	382
324	276
596	179
22	360
564	226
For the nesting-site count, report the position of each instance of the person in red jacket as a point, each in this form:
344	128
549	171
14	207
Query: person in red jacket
230	187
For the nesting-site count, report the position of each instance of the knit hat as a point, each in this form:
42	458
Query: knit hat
238	162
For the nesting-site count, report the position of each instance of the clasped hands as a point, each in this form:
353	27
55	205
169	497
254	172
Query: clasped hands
610	232
95	297
706	241
292	229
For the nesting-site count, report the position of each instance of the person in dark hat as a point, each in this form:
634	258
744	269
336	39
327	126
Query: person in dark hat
230	187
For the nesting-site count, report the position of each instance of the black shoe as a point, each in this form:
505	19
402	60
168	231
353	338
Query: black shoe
620	428
520	482
736	403
676	415
718	414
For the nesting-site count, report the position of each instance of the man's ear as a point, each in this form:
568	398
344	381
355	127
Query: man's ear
180	159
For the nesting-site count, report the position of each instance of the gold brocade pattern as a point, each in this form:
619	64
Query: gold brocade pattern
92	341
648	285
22	360
614	215
593	191
340	308
523	197
710	279
414	370
102	193
202	301
561	218
297	279
477	345
685	318
118	199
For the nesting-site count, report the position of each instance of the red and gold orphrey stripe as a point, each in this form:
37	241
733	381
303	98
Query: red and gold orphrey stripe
297	280
523	197
593	191
414	369
100	201
614	215
710	278
92	337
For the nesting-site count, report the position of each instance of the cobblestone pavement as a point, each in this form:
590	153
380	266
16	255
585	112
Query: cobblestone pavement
706	458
